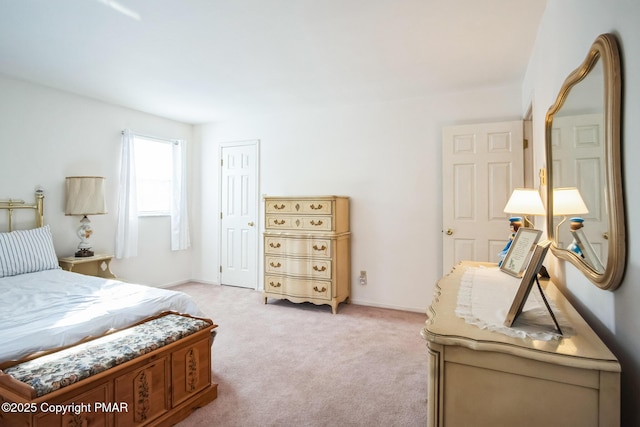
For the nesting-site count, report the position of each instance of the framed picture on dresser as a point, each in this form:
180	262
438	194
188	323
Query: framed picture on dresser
528	279
515	262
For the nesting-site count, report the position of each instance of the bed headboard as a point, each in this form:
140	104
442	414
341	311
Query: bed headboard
11	205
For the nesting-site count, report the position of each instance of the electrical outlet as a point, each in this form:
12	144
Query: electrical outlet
363	277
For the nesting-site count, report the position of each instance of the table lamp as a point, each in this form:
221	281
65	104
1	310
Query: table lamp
525	201
85	196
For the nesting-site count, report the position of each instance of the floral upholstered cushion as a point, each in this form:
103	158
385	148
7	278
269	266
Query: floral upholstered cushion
62	368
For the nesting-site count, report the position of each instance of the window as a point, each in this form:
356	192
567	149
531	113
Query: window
154	163
159	168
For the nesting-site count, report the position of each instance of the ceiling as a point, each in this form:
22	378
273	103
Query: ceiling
200	61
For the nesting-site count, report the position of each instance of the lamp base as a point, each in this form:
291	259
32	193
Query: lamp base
84	232
83	253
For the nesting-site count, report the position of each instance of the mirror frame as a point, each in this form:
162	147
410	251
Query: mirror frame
605	49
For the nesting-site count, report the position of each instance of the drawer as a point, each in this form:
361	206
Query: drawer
300	247
311	268
302	288
298	222
308	207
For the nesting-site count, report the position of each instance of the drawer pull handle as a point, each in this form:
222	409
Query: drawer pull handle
278	265
278	207
321	248
316	223
316	268
276	222
315	288
275	285
276	246
316	208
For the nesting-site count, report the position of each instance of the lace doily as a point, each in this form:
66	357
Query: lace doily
484	299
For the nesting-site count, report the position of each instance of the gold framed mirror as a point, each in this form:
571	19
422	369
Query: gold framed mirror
582	133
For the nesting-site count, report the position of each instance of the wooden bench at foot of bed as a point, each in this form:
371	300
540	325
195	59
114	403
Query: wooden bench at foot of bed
152	374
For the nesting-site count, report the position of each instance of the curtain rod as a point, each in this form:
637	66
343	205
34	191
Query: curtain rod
174	141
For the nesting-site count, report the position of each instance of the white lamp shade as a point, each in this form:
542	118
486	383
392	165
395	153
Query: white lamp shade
85	195
525	201
568	201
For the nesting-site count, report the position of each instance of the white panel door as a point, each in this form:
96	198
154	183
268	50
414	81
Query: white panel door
578	161
481	165
239	215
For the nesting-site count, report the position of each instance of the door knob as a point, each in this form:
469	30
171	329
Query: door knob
250	223
449	231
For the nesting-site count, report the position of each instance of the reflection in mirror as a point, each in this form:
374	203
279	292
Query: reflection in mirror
577	144
569	202
585	221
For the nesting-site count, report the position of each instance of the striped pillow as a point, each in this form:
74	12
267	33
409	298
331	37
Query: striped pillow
27	251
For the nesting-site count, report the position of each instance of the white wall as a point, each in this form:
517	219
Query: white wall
46	135
568	29
386	157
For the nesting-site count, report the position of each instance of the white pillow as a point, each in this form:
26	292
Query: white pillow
27	251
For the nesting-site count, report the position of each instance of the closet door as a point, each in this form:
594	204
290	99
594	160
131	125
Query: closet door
239	215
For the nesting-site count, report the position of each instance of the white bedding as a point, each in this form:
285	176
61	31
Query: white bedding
53	308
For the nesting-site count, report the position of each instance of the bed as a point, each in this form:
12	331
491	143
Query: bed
65	308
146	350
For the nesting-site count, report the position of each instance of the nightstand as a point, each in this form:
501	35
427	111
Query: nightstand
97	265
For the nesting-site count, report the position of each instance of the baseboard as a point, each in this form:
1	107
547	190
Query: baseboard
182	282
389	306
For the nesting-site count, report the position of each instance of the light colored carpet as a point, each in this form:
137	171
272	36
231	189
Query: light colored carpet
285	364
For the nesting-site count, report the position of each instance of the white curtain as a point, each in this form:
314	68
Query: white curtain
179	214
127	227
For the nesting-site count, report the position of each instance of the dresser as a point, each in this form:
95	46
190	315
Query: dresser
307	249
483	378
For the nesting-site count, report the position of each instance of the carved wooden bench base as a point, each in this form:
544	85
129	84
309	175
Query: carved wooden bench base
160	385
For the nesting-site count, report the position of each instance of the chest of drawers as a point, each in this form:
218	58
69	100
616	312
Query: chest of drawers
307	251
